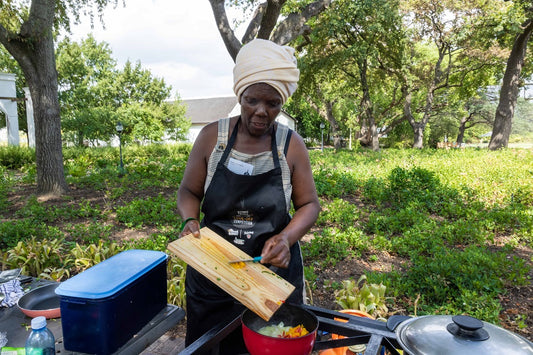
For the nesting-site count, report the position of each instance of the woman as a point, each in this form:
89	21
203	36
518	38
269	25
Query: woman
244	172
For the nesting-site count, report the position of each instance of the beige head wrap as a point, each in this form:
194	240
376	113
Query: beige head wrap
262	61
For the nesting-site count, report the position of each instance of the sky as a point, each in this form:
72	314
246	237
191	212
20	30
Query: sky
177	40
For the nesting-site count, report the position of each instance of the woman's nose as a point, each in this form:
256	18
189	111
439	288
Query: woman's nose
261	109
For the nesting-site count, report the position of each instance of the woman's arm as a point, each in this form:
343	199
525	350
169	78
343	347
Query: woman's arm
305	200
191	190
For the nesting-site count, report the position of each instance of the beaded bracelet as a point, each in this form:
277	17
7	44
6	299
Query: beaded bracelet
187	221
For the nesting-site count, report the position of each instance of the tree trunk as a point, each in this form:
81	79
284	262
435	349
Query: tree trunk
48	147
270	18
334	126
503	120
33	49
418	135
462	129
367	105
233	45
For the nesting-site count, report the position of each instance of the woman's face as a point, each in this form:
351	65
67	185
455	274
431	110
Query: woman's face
260	105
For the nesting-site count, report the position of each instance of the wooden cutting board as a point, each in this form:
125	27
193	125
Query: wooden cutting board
254	285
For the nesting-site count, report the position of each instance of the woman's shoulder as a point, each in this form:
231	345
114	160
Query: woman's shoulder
207	138
208	131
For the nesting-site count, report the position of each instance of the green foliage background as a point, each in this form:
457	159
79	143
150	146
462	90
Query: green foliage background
454	217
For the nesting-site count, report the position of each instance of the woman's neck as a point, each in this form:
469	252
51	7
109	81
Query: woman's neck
250	144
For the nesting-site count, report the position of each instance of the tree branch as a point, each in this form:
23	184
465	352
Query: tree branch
40	19
270	18
255	23
228	35
294	25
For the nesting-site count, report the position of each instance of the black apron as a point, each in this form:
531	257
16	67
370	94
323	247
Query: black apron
246	210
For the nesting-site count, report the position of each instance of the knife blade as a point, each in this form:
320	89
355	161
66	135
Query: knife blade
254	260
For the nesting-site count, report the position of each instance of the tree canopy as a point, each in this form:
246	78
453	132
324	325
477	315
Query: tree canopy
95	95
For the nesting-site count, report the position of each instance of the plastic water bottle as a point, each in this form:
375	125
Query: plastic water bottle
41	340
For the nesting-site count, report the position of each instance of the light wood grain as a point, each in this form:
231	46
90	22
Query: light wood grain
255	286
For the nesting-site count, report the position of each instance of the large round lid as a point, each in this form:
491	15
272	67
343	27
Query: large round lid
458	335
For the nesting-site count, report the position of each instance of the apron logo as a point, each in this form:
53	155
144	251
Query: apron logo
243	220
238	241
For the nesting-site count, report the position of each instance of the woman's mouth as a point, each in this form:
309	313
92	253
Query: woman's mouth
259	125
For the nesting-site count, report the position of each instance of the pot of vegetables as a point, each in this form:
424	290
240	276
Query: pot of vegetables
291	330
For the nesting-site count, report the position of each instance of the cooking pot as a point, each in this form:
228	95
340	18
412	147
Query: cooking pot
41	301
290	315
447	335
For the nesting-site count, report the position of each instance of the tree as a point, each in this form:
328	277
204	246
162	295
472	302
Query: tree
95	95
28	35
444	57
264	22
503	120
479	112
86	74
354	46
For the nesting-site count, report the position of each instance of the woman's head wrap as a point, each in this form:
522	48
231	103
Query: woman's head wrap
262	61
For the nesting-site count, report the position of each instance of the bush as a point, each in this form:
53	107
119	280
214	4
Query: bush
447	274
13	157
157	211
12	232
334	245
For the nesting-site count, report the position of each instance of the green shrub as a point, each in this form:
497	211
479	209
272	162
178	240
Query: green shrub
446	274
158	211
334	245
176	269
157	241
34	256
11	232
334	183
86	256
338	211
89	233
417	239
13	157
420	185
373	190
393	221
39	212
5	183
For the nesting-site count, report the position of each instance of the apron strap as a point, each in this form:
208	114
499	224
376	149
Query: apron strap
287	141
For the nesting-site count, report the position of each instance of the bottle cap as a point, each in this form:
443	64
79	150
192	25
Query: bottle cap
38	322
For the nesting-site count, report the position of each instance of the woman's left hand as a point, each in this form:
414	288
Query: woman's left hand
277	252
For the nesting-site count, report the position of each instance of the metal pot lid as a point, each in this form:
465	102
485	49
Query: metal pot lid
447	335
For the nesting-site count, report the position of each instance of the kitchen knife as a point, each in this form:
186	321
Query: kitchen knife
255	260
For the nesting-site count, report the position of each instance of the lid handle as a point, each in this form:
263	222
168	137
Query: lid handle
467	327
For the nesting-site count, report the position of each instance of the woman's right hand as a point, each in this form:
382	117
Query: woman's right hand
191	227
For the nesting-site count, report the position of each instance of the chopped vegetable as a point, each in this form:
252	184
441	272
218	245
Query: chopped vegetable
281	331
238	265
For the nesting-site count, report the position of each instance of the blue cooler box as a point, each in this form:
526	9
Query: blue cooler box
104	306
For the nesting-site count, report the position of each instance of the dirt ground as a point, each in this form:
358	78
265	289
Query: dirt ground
517	302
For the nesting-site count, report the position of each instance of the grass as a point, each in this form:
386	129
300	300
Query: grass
456	217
